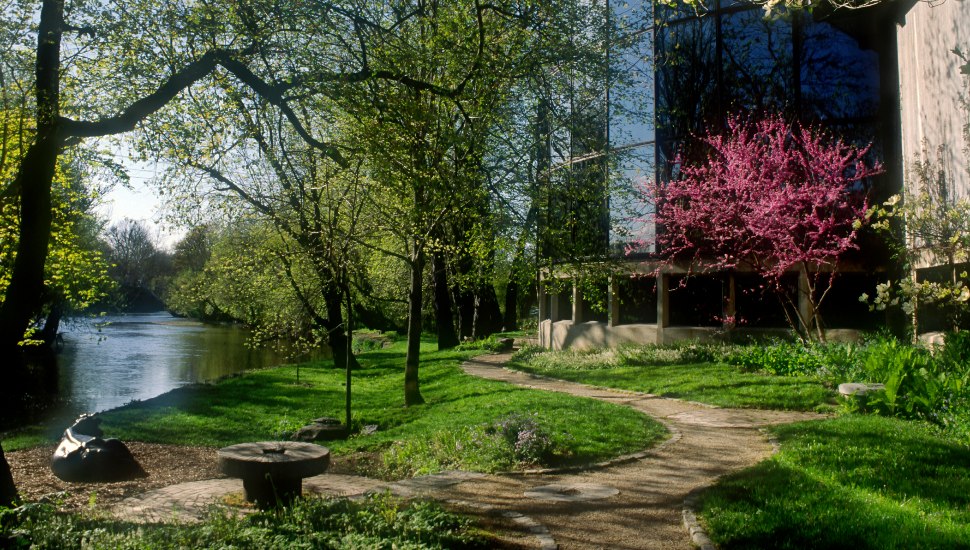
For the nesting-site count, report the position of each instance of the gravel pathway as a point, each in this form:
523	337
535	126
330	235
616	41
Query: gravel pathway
707	442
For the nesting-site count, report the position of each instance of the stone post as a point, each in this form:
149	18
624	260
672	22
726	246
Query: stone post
577	304
614	302
554	308
543	306
663	305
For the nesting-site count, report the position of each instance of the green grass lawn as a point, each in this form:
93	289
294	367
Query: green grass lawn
270	404
661	373
854	482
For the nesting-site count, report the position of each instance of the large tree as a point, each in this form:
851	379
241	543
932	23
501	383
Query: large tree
425	150
135	60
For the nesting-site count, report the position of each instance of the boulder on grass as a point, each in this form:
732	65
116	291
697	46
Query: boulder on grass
321	429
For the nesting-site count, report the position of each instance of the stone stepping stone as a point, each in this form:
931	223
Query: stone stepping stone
432	483
572	492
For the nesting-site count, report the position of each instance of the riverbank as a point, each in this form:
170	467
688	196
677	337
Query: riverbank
474	415
109	361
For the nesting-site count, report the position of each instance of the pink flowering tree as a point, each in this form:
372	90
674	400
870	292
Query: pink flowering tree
771	197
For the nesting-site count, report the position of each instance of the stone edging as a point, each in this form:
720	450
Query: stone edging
697	533
689	512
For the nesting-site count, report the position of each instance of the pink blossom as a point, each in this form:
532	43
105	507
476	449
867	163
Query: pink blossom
770	196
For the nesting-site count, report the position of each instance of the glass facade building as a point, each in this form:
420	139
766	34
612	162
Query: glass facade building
672	75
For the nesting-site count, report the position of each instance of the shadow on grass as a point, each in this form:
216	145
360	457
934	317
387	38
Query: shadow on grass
853	482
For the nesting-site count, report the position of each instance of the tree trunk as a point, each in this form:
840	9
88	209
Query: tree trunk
518	270
52	324
412	393
444	312
488	317
511	321
8	491
25	294
336	333
466	313
531	298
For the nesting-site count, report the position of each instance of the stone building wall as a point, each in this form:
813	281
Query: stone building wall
931	84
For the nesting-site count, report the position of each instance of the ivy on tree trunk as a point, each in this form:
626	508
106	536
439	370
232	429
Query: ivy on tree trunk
412	392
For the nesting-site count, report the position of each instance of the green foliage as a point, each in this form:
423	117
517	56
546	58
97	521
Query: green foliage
853	482
240	281
920	385
378	521
489	343
794	358
780	358
648	355
956	348
365	343
76	270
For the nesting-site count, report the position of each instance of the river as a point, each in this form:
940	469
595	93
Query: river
110	361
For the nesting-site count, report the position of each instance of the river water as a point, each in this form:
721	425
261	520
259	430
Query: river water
110	361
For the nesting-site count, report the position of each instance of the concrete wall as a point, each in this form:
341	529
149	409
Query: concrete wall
930	85
569	335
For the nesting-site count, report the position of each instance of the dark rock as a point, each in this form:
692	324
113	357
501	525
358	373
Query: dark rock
322	429
505	344
83	456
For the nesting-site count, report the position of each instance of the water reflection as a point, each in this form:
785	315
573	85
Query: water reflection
140	356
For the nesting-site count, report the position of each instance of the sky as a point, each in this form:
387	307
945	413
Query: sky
140	203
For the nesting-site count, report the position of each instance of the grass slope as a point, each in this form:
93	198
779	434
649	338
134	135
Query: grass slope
269	404
706	382
854	482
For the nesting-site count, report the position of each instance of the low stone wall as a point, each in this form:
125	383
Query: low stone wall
569	335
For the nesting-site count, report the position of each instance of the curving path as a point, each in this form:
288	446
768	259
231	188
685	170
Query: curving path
707	442
634	502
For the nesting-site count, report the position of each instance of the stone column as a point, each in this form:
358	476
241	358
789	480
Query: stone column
577	304
613	302
663	305
731	307
543	307
554	308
